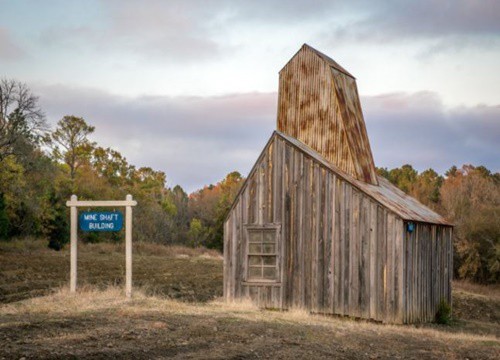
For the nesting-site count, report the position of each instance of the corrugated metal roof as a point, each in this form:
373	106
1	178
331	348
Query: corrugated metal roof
385	193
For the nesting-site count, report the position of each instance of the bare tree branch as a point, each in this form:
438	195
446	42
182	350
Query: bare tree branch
21	118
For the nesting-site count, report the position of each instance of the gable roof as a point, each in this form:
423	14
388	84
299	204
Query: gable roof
385	193
324	57
329	60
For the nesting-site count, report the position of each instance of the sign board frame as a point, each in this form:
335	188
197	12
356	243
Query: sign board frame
74	204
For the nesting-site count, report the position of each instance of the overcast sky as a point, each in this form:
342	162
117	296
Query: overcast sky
190	87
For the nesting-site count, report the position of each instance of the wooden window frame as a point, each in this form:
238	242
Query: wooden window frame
276	228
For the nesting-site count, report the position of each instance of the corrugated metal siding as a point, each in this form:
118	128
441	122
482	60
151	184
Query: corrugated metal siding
320	106
349	110
305	108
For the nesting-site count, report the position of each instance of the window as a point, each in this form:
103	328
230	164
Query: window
262	254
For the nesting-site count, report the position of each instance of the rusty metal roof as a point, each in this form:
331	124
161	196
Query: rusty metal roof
384	193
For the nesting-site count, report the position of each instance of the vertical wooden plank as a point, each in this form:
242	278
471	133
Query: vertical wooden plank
373	260
434	278
239	255
428	280
328	207
399	271
270	184
241	218
291	248
411	251
390	268
418	232
364	269
338	252
380	265
325	242
318	268
296	232
280	211
347	245
304	220
450	261
260	191
312	241
354	259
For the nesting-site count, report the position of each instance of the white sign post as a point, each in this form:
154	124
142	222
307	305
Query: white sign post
128	203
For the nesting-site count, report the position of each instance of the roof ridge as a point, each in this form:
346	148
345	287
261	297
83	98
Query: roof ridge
329	60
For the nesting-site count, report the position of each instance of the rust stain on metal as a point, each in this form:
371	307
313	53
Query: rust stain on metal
319	105
319	112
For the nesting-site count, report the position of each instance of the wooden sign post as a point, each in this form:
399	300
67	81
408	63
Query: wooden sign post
102	222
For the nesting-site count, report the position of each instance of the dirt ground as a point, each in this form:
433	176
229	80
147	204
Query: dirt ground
165	319
29	269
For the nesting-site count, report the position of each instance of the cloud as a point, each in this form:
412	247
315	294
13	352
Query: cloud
195	140
173	31
8	49
198	140
417	129
432	26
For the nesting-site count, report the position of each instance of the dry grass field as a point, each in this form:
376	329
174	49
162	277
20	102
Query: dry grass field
175	313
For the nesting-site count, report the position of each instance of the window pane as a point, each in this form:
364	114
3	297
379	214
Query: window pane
269	248
269	260
255	272
270	236
270	273
255	236
254	260
255	248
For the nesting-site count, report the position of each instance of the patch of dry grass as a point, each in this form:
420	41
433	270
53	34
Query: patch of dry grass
150	249
30	245
92	300
28	268
99	321
491	291
25	245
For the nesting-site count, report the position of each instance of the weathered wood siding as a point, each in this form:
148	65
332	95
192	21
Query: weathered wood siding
428	270
319	105
341	252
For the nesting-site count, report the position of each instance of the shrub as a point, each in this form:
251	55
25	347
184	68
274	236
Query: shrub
443	314
4	220
56	222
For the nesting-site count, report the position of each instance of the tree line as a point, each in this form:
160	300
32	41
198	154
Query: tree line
470	198
40	168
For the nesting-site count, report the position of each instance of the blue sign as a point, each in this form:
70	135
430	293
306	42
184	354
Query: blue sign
101	221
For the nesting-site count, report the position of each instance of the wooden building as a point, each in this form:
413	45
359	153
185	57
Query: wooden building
315	227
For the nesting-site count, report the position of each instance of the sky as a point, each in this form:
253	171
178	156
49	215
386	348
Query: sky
190	87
